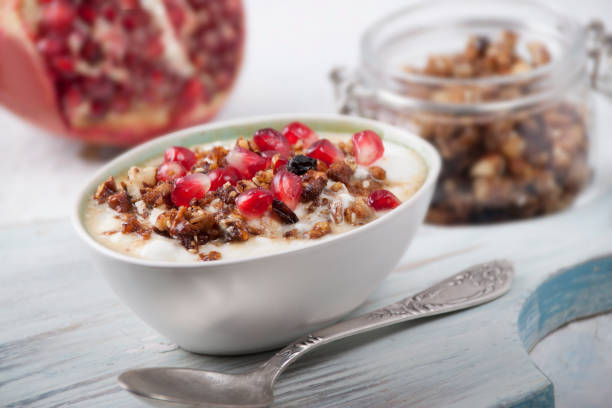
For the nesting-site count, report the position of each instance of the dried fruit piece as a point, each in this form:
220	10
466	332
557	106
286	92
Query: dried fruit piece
245	161
383	200
181	155
298	131
287	187
325	151
255	202
367	147
300	164
169	171
272	139
190	187
286	215
222	175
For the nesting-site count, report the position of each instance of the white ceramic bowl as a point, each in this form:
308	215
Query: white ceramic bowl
248	305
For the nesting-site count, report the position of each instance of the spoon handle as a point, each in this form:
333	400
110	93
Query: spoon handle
473	286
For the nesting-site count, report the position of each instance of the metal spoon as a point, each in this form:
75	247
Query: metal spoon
179	387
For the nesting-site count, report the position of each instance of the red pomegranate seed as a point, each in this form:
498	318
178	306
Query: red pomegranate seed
169	171
64	64
189	187
87	13
287	187
298	131
51	45
254	203
272	139
383	200
367	147
245	161
222	175
182	155
193	91
58	15
325	151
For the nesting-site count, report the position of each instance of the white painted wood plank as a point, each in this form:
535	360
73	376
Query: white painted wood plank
65	337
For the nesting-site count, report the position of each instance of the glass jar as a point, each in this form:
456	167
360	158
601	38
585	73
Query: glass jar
515	142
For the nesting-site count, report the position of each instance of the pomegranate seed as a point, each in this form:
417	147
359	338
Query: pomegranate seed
169	171
298	131
58	15
287	187
65	65
189	187
92	52
155	48
272	139
182	155
87	13
222	175
245	161
383	200
367	147
254	203
325	151
109	12
192	92
51	46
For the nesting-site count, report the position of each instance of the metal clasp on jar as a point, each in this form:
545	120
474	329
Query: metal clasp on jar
599	47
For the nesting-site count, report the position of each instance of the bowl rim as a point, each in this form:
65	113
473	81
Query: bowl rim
414	142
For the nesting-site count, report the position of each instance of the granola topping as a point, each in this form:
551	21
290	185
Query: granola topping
271	205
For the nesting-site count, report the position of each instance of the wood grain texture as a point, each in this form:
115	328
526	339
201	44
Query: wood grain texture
65	337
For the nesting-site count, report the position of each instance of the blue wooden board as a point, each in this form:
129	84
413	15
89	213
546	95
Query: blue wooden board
65	337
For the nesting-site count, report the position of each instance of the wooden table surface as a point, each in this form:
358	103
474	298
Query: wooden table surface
64	337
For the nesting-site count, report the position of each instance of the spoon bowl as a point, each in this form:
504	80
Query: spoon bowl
185	387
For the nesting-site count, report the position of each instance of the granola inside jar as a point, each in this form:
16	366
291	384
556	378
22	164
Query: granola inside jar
501	89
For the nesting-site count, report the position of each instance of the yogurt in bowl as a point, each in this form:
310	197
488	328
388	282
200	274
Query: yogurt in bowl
235	237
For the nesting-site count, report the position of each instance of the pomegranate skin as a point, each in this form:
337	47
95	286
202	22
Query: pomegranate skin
28	89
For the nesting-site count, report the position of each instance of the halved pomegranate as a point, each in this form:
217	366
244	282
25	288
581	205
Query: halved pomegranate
118	72
245	161
298	131
272	139
325	151
222	175
254	203
381	200
189	187
367	147
287	187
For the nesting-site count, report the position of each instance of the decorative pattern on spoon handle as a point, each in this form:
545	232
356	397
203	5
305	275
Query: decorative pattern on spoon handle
482	280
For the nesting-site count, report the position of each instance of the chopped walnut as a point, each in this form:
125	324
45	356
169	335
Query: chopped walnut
133	225
340	171
378	172
359	212
105	190
119	202
158	195
313	183
210	256
318	230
